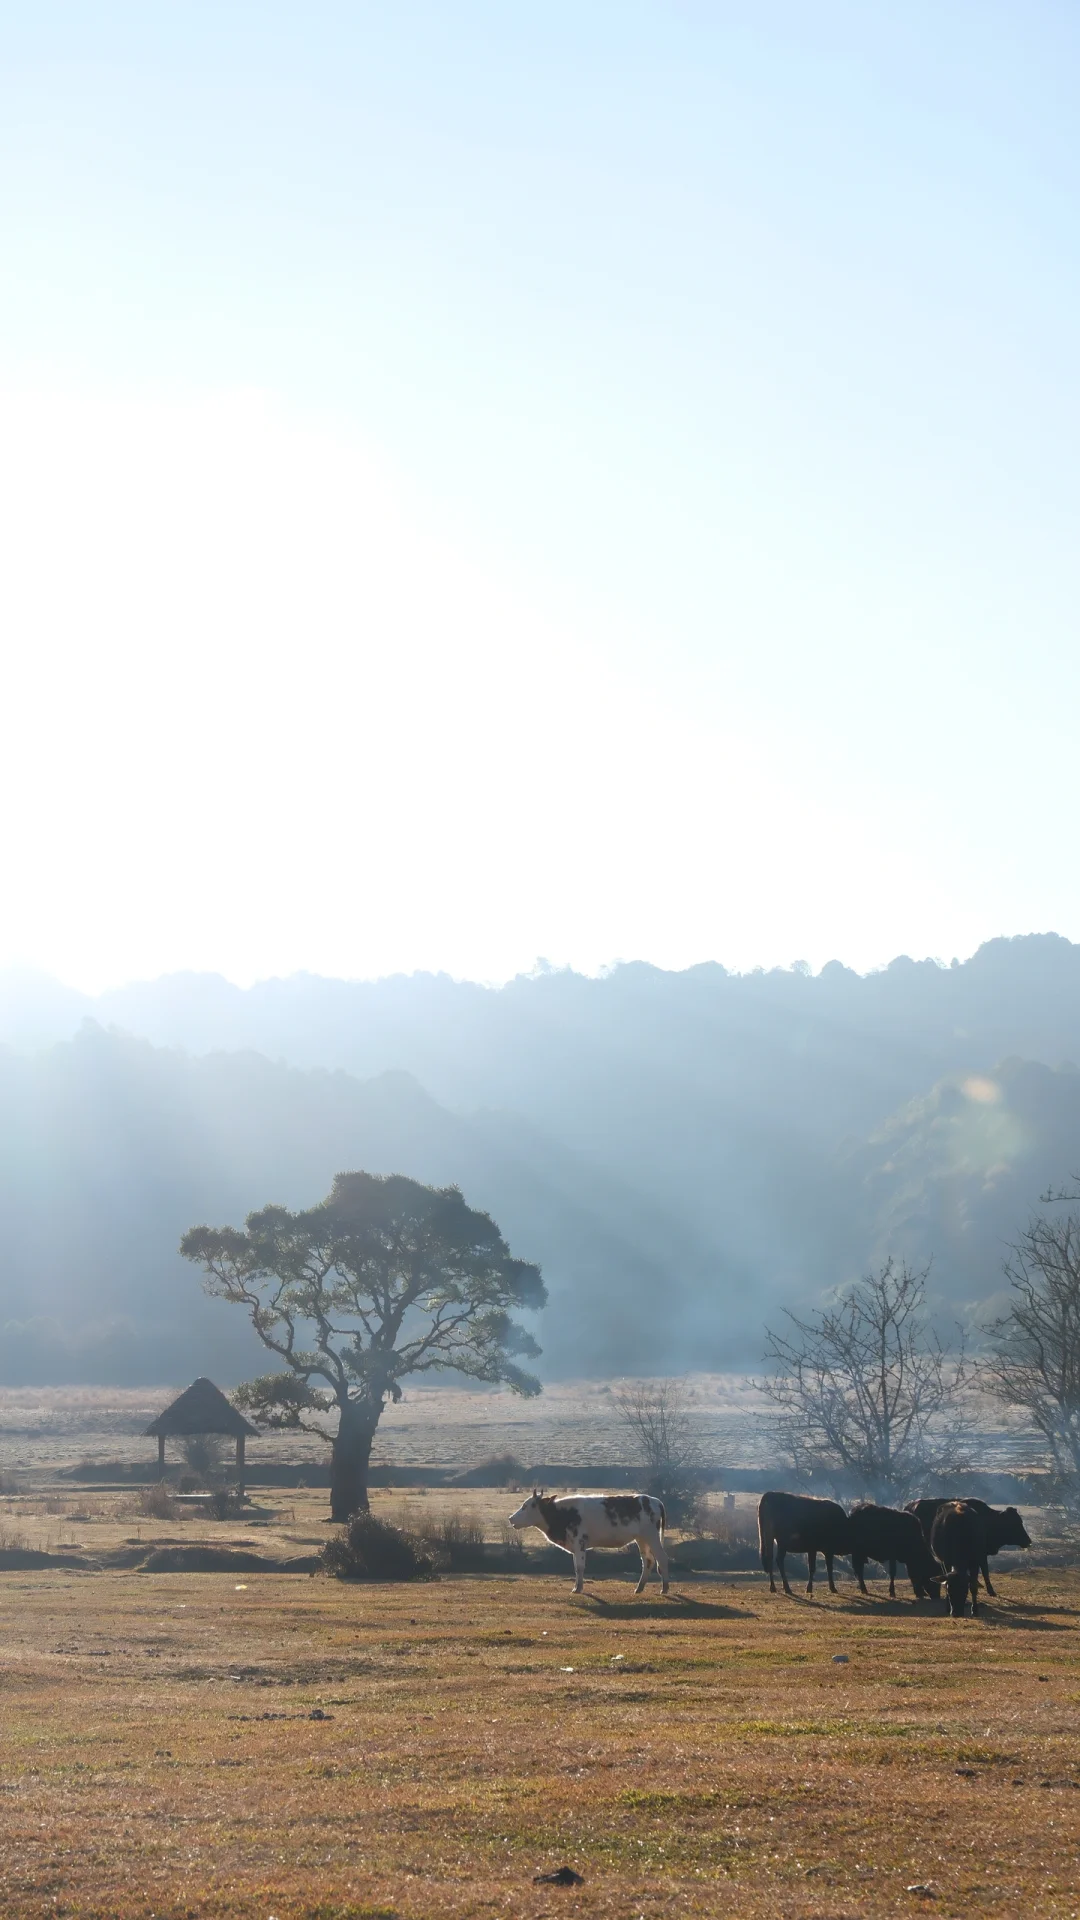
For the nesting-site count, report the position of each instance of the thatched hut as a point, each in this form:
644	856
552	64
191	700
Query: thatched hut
202	1408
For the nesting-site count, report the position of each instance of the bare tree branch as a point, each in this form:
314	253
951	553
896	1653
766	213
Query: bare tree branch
1035	1358
655	1416
866	1395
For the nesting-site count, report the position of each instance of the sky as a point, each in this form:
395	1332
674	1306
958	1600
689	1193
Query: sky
483	483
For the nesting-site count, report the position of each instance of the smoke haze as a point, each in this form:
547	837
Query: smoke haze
684	1153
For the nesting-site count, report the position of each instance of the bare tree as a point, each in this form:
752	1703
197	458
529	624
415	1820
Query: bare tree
1035	1361
867	1397
655	1415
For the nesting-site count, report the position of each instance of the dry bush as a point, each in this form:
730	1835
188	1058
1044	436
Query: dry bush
9	1482
511	1541
454	1541
225	1504
732	1527
205	1455
499	1470
370	1549
157	1503
456	1529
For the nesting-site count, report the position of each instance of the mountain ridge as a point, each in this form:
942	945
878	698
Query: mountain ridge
685	1153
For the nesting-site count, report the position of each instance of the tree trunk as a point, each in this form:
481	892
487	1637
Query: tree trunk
350	1458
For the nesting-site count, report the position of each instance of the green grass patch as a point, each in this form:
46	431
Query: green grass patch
668	1800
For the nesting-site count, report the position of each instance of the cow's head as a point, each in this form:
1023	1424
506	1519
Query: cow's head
530	1513
956	1585
1011	1530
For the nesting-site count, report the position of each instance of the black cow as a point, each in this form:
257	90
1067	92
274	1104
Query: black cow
798	1523
1003	1528
887	1535
958	1540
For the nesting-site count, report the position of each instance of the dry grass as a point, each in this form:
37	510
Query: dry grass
703	1755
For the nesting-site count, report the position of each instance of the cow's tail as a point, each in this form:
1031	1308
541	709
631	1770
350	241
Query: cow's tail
663	1517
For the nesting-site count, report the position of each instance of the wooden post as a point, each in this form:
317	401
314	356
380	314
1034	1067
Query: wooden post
240	1464
161	1456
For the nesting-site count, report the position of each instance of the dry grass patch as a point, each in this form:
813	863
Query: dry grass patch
209	1746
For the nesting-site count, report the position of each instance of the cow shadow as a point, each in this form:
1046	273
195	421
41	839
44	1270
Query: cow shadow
1013	1613
863	1605
673	1606
1001	1611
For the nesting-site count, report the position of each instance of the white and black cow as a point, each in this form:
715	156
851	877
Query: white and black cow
577	1521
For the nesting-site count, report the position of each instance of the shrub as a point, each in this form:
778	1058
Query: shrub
369	1549
224	1504
500	1470
454	1541
205	1455
455	1530
9	1482
157	1502
733	1527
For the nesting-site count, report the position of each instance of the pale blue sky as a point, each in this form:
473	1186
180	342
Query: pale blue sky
485	481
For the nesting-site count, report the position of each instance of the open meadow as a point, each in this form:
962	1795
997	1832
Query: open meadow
221	1744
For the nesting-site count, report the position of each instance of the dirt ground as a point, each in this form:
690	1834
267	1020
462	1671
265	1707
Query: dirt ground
275	1745
277	1523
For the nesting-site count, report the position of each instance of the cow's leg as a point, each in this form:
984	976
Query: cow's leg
859	1568
767	1560
974	1584
647	1564
811	1563
781	1554
828	1569
892	1579
660	1561
578	1551
986	1577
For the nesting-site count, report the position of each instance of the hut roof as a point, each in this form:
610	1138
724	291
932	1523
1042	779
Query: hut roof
201	1408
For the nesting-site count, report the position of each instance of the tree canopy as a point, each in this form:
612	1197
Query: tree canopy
383	1279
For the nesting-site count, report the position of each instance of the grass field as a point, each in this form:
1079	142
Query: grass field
206	1745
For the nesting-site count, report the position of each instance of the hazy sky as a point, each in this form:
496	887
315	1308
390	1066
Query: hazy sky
487	481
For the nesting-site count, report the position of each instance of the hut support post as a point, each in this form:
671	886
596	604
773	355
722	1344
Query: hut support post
161	1456
240	1465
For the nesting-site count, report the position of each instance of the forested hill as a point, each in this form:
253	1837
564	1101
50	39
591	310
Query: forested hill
683	1152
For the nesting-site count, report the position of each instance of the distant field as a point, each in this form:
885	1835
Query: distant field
43	1429
700	1756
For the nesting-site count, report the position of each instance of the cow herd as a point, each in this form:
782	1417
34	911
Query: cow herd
940	1542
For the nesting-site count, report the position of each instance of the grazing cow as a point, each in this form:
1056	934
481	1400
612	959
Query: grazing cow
958	1540
886	1535
1004	1528
577	1521
800	1523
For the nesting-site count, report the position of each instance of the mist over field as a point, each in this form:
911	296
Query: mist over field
684	1153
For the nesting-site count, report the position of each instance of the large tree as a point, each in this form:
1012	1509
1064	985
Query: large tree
868	1398
1035	1347
382	1279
